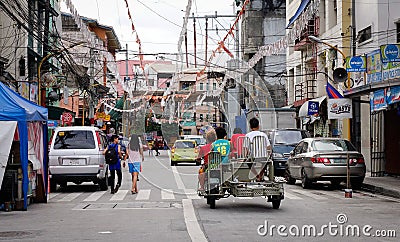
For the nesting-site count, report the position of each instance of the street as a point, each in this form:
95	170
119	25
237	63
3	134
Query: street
167	208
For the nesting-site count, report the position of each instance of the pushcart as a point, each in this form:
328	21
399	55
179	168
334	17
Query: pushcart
238	177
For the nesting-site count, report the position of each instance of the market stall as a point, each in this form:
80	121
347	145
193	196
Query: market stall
23	127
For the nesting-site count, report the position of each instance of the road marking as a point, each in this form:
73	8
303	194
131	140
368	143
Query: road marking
310	194
143	194
167	194
192	225
332	194
191	194
291	196
244	198
119	196
95	196
53	195
178	178
70	197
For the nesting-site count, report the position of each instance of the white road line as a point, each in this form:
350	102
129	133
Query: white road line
178	178
53	195
94	196
167	194
245	198
143	194
291	196
192	225
119	196
310	194
70	197
191	194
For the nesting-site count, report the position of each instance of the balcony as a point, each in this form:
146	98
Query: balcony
312	28
304	91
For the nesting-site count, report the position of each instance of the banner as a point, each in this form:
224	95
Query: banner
374	67
393	94
356	64
340	108
378	100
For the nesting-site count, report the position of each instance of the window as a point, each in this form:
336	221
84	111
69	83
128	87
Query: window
201	117
214	86
201	86
364	35
333	145
398	32
74	139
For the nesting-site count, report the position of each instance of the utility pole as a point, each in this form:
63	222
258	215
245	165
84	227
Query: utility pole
126	132
194	29
353	27
91	89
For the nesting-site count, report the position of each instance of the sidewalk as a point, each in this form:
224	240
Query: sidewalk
385	185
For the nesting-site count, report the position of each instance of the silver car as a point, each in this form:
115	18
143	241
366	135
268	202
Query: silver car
76	155
325	159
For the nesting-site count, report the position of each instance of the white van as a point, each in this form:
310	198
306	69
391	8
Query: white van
76	155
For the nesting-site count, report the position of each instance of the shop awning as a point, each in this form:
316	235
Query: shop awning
304	108
299	11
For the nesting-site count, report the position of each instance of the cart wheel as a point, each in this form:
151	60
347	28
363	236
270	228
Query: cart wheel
208	200
276	203
212	203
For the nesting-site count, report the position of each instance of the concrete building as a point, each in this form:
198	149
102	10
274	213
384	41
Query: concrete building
310	65
375	91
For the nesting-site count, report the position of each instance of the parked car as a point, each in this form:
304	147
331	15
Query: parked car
184	151
325	159
283	142
76	155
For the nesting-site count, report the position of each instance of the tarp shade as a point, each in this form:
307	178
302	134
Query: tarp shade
6	137
299	11
115	115
13	107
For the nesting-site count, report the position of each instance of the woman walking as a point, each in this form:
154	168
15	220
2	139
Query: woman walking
135	159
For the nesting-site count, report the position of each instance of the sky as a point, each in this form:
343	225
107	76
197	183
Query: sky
159	22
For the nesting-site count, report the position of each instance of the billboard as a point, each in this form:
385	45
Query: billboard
390	53
339	108
374	67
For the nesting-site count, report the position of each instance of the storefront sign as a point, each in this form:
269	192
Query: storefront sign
356	64
339	108
313	108
390	70
393	94
52	124
358	78
390	53
378	100
374	67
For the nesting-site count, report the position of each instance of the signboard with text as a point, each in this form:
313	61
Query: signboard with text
356	64
339	108
374	67
378	100
393	94
390	53
313	108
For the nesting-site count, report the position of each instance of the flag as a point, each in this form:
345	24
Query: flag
332	92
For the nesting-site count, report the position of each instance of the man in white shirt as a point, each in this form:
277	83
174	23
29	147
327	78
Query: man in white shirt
260	149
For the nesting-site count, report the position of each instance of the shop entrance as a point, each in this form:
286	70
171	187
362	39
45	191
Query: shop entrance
392	141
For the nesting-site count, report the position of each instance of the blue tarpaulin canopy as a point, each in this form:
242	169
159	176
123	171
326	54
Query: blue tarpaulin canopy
14	107
299	11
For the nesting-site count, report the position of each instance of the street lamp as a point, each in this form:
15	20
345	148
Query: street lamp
341	75
44	59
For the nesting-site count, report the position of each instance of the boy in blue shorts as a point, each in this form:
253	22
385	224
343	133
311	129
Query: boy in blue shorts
221	145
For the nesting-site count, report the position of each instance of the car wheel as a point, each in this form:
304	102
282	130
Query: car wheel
357	183
103	183
335	183
289	179
63	185
305	182
53	185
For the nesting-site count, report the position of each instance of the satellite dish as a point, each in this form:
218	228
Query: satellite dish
340	75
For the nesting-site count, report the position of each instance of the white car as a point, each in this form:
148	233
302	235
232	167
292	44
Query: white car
76	155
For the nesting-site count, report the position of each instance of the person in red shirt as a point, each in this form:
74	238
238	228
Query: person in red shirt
211	136
237	143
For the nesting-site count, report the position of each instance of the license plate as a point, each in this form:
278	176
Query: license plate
338	161
74	162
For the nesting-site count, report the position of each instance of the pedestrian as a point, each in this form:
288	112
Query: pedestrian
237	143
135	159
203	154
156	147
221	145
117	166
257	153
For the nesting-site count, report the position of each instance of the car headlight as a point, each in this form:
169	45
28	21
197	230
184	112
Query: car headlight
277	155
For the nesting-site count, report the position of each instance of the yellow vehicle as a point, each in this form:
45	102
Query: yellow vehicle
184	151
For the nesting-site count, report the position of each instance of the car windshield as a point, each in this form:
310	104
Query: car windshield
287	137
74	139
199	141
333	145
184	144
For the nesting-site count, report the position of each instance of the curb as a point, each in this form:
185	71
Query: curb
380	190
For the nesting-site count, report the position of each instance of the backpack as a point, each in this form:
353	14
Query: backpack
111	155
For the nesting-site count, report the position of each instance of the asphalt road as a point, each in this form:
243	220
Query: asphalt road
168	208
